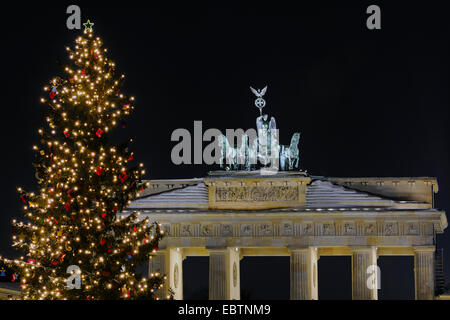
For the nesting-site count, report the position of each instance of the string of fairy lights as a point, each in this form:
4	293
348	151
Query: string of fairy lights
85	181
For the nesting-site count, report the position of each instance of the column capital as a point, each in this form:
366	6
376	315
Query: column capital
424	249
159	253
178	250
222	249
301	249
167	251
362	248
163	245
216	249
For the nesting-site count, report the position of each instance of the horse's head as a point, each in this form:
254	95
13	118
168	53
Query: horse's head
295	139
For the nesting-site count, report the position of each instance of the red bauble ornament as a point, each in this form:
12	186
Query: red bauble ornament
52	93
102	242
123	176
66	133
70	193
99	133
103	215
106	273
99	171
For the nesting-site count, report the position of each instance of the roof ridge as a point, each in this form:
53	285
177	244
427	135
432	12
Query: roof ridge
181	187
355	191
366	192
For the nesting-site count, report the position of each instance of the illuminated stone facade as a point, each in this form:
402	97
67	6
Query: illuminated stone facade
227	216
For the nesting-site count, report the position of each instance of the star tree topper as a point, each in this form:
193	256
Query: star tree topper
88	25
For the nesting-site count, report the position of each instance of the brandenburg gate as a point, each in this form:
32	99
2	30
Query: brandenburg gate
231	214
281	211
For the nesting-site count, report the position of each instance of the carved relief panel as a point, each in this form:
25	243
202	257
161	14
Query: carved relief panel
246	230
287	229
265	229
257	192
370	229
390	228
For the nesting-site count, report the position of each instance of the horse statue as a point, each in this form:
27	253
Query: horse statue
242	158
228	154
289	156
267	140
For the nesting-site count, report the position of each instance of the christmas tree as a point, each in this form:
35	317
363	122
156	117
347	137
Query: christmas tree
75	244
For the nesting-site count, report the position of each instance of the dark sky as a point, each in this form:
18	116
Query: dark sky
368	103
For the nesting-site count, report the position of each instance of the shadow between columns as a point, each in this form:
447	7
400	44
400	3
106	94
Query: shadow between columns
397	277
196	278
335	278
265	278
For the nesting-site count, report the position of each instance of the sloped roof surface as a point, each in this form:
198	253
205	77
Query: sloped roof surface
324	194
195	196
319	194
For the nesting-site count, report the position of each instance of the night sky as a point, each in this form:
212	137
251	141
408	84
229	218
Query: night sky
368	103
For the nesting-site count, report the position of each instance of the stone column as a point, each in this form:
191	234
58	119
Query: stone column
424	272
304	285
224	274
169	262
364	274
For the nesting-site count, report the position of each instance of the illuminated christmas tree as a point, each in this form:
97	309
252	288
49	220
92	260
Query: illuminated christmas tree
71	232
